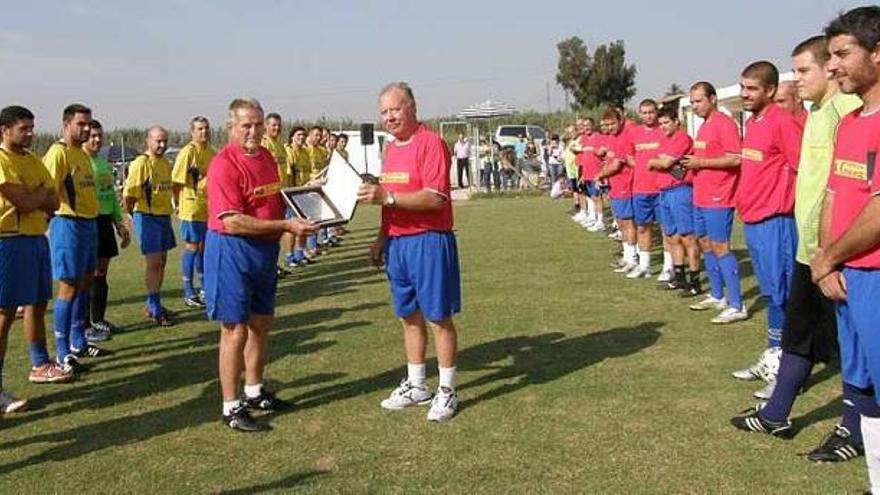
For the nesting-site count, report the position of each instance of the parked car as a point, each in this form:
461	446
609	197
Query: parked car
507	135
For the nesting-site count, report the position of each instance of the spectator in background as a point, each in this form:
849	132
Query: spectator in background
487	165
787	98
341	144
462	150
553	151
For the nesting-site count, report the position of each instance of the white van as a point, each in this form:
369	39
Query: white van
508	135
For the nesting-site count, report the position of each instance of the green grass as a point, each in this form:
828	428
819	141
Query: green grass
572	380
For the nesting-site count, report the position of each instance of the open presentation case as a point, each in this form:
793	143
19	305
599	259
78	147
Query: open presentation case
332	203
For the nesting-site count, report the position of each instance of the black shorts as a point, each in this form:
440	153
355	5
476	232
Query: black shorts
810	321
107	247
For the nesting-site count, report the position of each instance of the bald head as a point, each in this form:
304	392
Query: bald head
787	98
157	141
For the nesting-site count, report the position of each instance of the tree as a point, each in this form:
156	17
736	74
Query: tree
674	89
601	79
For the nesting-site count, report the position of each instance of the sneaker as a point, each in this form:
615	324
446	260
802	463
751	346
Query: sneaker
626	267
10	403
709	302
406	395
586	223
71	364
92	351
674	285
104	327
443	405
638	272
266	401
615	236
666	275
617	263
50	373
766	392
691	289
751	421
596	227
837	447
282	272
765	369
193	302
240	419
163	319
580	216
730	315
95	335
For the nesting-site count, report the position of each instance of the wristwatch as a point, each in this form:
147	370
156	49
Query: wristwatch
389	199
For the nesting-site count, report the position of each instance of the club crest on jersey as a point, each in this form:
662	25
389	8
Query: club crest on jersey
267	190
394	178
753	155
850	169
647	146
699	145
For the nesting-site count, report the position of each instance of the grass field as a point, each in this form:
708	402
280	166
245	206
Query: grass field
572	380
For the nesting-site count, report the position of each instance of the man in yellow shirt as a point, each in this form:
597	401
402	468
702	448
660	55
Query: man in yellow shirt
299	168
27	196
188	181
73	237
147	194
273	143
319	157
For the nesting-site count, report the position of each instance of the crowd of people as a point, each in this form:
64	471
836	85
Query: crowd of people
804	184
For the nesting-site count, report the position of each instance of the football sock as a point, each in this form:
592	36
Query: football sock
38	353
253	391
187	261
78	316
730	273
793	372
850	418
645	260
667	261
447	377
100	293
199	267
713	271
61	313
228	406
415	373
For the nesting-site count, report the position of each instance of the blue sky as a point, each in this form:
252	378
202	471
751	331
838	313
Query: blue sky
143	62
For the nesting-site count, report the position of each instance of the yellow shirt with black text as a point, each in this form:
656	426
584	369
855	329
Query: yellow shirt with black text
191	171
71	172
26	170
149	182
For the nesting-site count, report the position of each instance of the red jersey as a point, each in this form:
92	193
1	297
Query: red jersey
238	183
646	144
771	150
588	162
619	147
675	146
717	137
852	181
420	163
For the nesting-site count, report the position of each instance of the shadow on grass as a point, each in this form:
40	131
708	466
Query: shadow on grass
282	484
832	409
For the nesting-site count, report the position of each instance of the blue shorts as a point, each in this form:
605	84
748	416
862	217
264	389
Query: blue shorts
74	246
193	231
858	328
424	274
592	190
677	210
154	232
239	277
714	223
772	243
622	208
25	271
646	208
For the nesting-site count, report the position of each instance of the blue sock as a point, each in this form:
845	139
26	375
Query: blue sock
61	312
776	322
298	254
1	374
187	261
154	304
312	242
793	372
290	258
851	419
78	318
730	273
38	352
713	272
199	266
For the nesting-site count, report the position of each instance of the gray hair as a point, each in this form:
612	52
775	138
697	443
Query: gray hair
400	86
243	102
198	119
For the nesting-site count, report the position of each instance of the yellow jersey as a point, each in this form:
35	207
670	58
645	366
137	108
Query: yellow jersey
299	162
149	182
26	170
276	149
319	157
71	172
191	172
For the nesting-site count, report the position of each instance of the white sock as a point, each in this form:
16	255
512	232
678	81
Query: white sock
645	259
447	377
253	391
228	406
871	437
416	374
667	261
629	252
600	218
591	208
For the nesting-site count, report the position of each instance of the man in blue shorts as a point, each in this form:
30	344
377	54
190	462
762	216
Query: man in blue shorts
418	246
147	194
73	237
245	223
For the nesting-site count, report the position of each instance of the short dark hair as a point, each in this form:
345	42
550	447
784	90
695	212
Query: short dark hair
707	88
319	128
648	102
73	109
11	115
612	113
591	120
96	124
294	131
668	112
344	136
273	116
862	23
763	71
817	45
198	119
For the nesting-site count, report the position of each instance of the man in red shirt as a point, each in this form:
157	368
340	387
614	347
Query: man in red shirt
589	165
245	222
847	264
787	97
715	165
617	169
765	201
418	246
